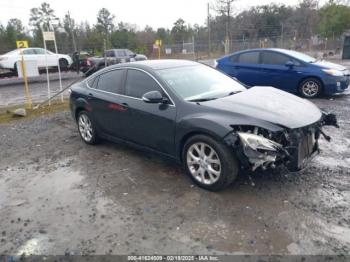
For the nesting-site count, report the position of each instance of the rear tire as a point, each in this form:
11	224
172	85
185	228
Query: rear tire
310	88
87	128
63	64
15	69
210	164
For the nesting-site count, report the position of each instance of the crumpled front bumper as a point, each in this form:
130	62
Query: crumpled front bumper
297	147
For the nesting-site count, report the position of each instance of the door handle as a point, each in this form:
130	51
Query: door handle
90	96
125	105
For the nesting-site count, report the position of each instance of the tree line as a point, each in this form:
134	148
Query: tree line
273	21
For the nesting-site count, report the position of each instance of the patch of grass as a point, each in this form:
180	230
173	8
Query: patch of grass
6	115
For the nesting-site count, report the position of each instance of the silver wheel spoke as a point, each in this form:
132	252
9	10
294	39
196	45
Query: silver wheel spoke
203	163
85	128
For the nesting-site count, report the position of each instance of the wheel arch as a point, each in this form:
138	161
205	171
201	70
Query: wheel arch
311	76
190	134
81	105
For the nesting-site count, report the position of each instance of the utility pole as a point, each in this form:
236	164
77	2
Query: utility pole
282	33
209	33
105	53
72	32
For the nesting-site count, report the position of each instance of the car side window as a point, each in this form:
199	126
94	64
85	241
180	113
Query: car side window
120	53
39	51
28	52
234	58
271	58
110	54
129	53
111	81
139	83
249	58
91	82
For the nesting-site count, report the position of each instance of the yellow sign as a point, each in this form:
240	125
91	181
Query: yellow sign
22	44
158	42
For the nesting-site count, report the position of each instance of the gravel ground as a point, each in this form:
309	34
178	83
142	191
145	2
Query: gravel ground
60	196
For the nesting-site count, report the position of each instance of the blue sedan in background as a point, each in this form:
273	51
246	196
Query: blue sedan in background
288	70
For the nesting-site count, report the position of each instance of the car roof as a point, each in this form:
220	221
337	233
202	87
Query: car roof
279	50
158	64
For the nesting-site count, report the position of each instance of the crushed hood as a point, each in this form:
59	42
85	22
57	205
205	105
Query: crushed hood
271	105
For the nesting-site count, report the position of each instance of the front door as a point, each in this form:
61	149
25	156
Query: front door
277	74
151	125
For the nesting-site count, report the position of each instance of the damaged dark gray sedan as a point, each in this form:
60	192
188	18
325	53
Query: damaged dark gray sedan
206	120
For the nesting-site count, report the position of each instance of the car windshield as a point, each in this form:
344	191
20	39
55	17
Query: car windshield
200	83
301	56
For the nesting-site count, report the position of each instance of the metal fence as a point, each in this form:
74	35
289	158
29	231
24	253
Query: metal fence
199	49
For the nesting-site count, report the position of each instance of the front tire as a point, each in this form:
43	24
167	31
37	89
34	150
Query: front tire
310	88
210	164
86	128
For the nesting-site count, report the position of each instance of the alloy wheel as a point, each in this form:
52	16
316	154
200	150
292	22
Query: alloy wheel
310	88
85	127
203	163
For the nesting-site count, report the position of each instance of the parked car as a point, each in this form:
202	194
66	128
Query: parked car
288	70
114	56
10	59
199	116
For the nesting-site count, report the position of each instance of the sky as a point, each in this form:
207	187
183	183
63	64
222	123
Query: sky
155	13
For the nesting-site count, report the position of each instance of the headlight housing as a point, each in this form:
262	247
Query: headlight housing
333	72
256	142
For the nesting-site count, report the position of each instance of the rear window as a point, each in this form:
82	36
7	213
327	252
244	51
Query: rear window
249	58
111	81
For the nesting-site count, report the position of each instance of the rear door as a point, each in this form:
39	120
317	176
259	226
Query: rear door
246	68
275	72
151	125
106	103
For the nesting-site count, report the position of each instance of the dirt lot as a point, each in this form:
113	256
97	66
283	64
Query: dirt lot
60	196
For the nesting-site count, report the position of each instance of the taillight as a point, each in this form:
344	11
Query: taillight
88	62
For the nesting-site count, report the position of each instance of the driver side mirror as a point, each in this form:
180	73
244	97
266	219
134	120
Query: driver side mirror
290	64
154	97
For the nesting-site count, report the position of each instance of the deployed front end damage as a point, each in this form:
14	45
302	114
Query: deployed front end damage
257	147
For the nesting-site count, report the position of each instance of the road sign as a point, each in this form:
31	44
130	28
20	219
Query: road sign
158	42
49	36
22	44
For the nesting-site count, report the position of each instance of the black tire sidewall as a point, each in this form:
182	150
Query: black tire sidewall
318	82
95	139
63	63
229	163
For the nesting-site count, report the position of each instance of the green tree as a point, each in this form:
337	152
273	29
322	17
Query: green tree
179	32
334	19
42	16
105	21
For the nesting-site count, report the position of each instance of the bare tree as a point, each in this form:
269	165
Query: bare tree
225	8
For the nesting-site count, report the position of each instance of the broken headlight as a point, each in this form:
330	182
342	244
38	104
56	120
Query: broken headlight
257	143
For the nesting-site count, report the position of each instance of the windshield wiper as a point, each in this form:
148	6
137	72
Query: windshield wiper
202	99
233	93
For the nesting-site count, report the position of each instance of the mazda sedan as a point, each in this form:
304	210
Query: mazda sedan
200	117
